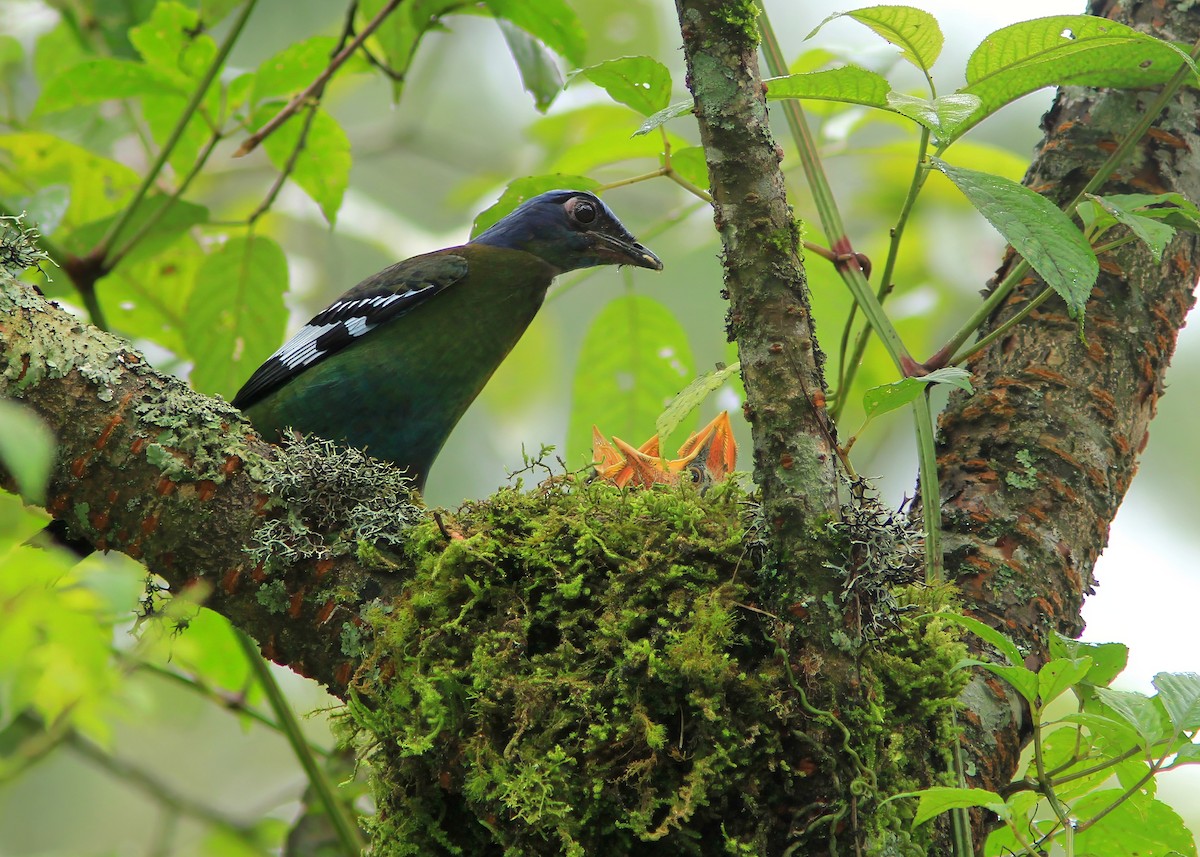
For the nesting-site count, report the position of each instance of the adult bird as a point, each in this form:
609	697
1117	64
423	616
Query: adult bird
392	365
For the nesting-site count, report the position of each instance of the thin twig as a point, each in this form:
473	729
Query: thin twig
315	88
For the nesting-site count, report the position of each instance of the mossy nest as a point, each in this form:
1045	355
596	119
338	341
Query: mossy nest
581	670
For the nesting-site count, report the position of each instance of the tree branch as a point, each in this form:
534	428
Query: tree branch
1080	411
769	314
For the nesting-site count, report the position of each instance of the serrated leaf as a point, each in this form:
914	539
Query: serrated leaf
691	397
988	634
535	62
662	117
519	190
97	80
1060	50
914	31
1024	681
848	84
1180	695
1059	674
642	83
1108	659
889	397
634	359
943	116
172	40
1134	825
236	317
1136	709
293	68
934	801
552	22
322	169
26	449
1153	233
1036	228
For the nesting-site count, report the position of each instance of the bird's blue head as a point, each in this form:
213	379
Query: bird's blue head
569	229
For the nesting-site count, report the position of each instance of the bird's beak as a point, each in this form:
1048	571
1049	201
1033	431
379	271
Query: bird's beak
616	251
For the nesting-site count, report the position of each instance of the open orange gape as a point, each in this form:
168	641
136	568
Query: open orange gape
708	456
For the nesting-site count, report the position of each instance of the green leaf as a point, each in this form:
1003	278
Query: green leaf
162	113
1180	695
1189	754
943	116
1076	50
1136	709
322	169
26	449
634	359
236	316
1108	659
519	190
989	635
691	165
1059	674
914	31
147	298
97	185
889	397
104	79
180	216
934	801
578	141
662	117
691	397
551	21
293	68
46	207
166	39
1136	826
11	51
638	82
1024	681
1036	229
848	84
1153	233
539	72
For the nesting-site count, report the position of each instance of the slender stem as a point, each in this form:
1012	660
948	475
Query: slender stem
318	85
155	217
931	506
176	134
1047	788
346	828
831	219
281	179
230	701
848	369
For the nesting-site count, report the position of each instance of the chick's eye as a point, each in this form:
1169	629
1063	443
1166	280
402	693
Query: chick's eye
582	210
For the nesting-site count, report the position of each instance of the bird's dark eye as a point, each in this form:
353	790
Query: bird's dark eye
581	210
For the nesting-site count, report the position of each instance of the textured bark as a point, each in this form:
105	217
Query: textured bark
1022	539
175	479
769	315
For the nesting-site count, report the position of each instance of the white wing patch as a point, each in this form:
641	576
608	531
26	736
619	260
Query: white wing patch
341	321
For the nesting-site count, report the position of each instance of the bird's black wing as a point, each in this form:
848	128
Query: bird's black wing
375	301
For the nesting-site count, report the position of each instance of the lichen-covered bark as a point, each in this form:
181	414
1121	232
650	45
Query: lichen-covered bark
1035	464
175	479
769	316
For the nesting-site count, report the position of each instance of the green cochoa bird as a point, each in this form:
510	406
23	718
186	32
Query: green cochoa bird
392	365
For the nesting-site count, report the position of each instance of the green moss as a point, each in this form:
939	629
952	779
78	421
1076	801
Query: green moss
583	670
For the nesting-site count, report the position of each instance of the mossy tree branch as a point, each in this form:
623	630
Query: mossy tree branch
769	314
177	480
